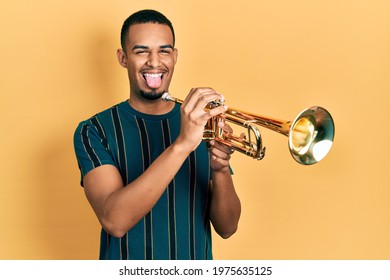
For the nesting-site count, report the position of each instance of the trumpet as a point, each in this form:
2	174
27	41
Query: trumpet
310	134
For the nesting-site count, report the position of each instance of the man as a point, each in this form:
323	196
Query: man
151	181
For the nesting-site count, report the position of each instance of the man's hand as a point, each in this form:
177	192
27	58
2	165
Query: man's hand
220	153
194	116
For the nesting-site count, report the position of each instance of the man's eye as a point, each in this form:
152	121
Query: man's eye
165	51
141	51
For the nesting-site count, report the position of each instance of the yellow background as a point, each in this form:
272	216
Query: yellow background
58	67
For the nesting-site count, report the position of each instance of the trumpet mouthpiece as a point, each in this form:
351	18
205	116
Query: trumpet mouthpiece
166	96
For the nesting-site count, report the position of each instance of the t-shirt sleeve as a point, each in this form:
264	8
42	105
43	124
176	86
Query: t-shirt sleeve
91	148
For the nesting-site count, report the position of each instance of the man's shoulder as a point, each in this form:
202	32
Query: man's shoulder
106	113
100	117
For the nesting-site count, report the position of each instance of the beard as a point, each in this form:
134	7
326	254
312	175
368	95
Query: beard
152	95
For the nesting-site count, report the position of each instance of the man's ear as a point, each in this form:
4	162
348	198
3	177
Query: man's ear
175	54
122	58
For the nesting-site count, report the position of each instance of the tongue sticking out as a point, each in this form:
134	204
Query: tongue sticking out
153	80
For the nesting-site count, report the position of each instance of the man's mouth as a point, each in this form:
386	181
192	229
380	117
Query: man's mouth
153	80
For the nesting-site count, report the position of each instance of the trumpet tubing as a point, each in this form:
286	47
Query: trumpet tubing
310	134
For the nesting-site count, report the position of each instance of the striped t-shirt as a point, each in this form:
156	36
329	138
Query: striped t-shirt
178	226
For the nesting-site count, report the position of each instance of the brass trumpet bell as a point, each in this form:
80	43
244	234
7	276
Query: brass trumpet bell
311	135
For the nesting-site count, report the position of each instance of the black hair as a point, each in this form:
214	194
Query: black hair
144	16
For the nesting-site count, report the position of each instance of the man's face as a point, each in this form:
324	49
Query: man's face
150	59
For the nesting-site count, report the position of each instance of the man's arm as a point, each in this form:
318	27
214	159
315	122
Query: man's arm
119	208
225	207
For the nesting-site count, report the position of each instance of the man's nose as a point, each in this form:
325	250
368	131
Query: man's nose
154	60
